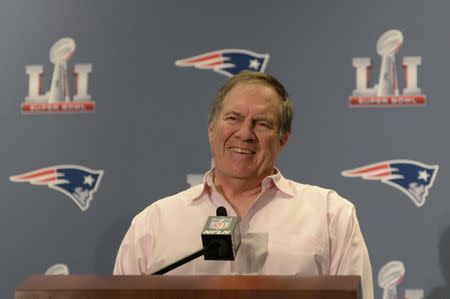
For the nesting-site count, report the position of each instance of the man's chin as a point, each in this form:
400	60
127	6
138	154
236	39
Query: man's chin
243	175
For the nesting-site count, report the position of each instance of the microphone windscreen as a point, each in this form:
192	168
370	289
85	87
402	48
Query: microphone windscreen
221	211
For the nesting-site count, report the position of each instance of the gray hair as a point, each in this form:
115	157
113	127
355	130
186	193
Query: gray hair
287	106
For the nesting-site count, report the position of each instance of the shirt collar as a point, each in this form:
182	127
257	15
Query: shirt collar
279	181
205	187
276	179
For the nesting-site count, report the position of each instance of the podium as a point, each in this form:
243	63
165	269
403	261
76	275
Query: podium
189	287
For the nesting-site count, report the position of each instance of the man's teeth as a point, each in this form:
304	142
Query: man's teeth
240	150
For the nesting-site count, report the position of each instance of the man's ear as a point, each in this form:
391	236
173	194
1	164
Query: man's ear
210	130
284	138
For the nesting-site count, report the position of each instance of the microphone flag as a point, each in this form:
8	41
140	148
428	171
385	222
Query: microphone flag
222	234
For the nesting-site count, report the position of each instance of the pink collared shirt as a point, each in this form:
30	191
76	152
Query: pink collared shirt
291	229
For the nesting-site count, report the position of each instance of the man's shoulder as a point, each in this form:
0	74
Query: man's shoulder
168	208
175	201
184	197
316	193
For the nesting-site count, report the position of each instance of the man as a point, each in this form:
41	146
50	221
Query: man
286	227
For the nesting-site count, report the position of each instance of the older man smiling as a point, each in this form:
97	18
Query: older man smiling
287	228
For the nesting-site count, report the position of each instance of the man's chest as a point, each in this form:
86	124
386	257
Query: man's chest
275	241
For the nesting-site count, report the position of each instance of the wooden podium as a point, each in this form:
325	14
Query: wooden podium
190	287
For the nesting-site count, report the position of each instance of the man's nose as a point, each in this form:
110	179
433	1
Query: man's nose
246	131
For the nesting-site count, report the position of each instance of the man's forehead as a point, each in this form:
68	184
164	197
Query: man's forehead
252	94
243	110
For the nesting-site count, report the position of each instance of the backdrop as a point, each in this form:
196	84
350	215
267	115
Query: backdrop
104	111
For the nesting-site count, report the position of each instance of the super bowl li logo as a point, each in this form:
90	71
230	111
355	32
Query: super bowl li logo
390	276
58	98
386	92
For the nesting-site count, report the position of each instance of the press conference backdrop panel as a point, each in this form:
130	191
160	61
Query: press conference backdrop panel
104	110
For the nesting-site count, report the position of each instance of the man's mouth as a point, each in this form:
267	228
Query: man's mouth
241	150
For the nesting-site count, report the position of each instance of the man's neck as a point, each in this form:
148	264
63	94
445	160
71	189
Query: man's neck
240	193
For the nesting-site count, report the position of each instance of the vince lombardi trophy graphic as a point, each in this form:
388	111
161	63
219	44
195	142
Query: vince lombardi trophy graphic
61	51
390	275
388	44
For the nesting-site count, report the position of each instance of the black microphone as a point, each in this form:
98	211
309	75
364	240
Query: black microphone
221	211
221	236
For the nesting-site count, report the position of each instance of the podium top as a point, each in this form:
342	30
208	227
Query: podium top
171	286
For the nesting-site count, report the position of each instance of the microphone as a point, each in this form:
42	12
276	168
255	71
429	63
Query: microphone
221	211
221	237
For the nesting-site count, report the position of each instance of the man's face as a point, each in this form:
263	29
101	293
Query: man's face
244	138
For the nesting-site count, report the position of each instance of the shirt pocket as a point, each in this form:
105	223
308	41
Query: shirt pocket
290	254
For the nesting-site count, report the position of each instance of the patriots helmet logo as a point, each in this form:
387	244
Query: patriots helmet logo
227	62
79	183
411	177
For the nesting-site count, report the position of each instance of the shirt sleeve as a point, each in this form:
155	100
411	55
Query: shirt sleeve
349	254
137	245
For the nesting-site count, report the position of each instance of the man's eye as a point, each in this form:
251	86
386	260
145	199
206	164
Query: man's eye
264	125
230	117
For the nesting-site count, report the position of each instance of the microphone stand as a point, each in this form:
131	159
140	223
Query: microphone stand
187	259
221	211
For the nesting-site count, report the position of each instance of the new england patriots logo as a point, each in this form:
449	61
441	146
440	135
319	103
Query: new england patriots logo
411	177
77	182
227	62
